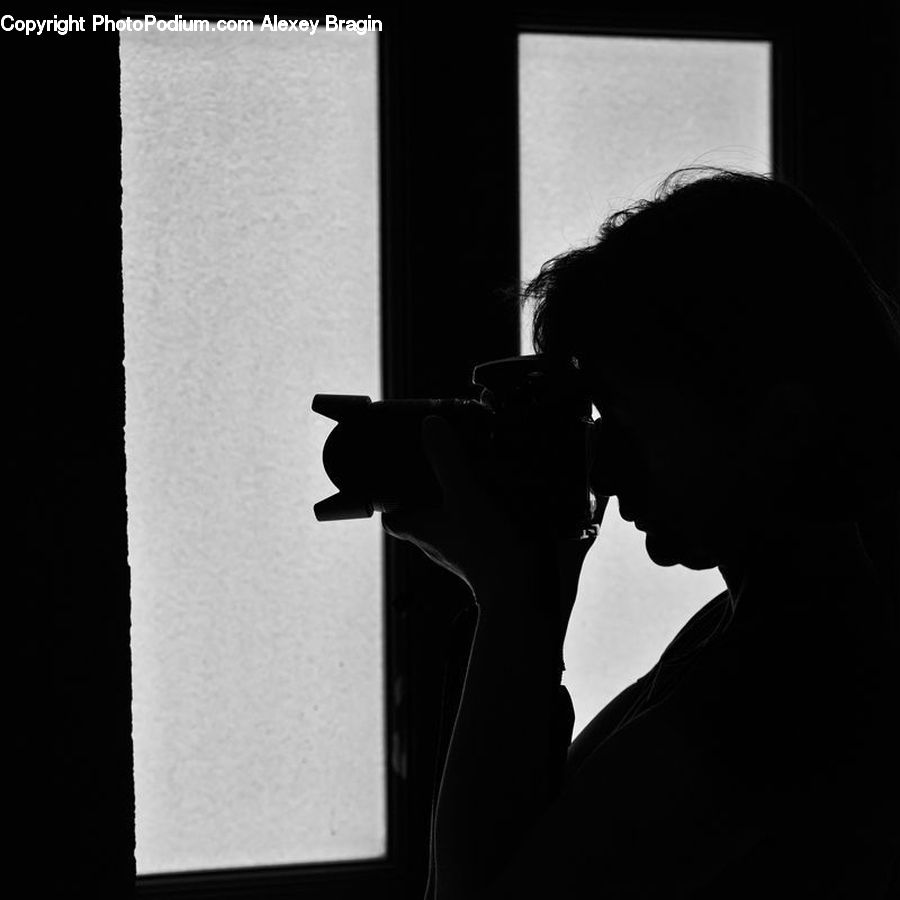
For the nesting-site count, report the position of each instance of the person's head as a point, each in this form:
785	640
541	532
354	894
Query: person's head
744	364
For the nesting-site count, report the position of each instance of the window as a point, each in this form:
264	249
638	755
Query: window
251	281
603	119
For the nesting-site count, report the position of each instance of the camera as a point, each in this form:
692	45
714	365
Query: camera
529	439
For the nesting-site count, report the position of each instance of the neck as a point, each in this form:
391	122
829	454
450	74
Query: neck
805	551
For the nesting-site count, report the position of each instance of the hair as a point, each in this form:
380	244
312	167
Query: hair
730	282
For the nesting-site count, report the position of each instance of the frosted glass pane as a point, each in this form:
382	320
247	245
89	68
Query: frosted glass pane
250	229
602	121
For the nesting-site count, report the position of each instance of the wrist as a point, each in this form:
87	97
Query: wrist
523	580
523	609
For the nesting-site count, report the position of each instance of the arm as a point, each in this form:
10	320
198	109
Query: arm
511	700
507	749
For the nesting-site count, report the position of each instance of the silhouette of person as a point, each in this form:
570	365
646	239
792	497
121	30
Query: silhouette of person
745	368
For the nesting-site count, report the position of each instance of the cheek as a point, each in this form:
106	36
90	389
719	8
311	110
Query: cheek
684	467
695	483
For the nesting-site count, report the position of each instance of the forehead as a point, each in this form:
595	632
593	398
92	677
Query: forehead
614	383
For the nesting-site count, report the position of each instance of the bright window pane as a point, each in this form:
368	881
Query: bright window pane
250	224
602	121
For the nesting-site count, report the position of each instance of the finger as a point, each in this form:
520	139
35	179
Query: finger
446	455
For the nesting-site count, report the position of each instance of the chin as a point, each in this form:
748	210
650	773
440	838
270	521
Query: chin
666	551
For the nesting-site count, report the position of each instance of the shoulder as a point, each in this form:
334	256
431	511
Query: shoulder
708	621
653	789
630	701
800	692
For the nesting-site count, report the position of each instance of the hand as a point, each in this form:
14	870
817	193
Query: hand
470	535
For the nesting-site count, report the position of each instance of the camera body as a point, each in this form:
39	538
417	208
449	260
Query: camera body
529	439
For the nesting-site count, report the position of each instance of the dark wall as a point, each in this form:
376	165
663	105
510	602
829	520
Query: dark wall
72	809
847	133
